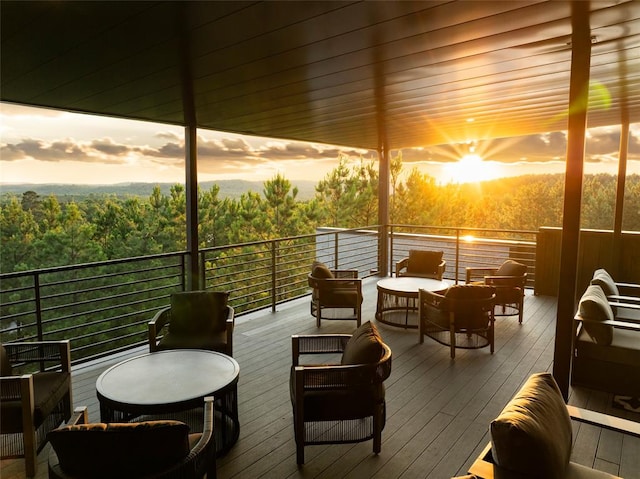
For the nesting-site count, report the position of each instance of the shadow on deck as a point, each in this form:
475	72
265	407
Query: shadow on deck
438	410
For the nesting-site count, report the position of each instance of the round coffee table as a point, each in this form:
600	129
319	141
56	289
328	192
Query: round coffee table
173	381
397	298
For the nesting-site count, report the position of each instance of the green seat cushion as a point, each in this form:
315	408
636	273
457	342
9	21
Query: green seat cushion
532	435
595	307
511	268
364	346
198	312
120	450
603	279
424	262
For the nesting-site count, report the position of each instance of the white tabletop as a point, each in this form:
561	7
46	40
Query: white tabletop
409	284
168	377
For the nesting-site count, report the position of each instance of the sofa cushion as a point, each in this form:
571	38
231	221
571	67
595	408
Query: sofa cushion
624	348
532	435
120	450
321	271
364	346
511	268
424	262
198	312
605	281
595	307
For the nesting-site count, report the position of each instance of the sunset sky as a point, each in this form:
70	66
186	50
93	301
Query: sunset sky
46	146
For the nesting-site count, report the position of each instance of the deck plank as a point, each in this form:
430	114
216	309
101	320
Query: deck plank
438	410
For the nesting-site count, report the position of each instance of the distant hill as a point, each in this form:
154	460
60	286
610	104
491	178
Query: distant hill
228	189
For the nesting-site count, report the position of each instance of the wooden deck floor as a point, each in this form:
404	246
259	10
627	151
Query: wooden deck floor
438	410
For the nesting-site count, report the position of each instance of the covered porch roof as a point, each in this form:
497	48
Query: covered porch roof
359	74
379	75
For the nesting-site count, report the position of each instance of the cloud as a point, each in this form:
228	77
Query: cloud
602	145
30	148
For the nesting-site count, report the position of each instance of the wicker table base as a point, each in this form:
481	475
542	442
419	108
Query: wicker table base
173	384
398	299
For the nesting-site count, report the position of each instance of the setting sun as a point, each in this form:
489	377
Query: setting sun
471	168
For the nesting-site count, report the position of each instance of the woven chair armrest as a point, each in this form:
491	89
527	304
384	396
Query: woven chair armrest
506	281
207	428
345	273
328	377
155	326
429	298
231	317
58	352
317	344
478	272
402	264
14	387
161	318
332	284
80	416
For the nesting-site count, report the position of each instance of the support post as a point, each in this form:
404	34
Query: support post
190	150
577	123
619	210
191	153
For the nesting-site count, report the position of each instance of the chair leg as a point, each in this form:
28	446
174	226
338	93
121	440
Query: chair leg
520	311
299	453
452	337
318	314
30	453
377	429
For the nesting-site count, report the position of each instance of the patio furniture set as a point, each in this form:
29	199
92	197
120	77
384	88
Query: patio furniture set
161	409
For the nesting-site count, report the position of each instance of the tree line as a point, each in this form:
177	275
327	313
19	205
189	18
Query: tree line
44	232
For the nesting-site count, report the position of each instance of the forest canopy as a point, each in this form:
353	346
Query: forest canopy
40	232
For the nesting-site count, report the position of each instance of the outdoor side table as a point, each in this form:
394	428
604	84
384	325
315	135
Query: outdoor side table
169	383
398	299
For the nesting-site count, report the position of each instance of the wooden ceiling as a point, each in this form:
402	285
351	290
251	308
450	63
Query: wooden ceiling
422	72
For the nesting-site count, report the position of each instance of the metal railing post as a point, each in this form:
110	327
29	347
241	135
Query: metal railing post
203	279
274	265
335	251
391	250
36	285
457	254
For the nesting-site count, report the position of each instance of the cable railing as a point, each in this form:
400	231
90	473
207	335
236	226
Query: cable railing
466	247
104	307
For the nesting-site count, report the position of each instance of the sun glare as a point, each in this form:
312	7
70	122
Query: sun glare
471	168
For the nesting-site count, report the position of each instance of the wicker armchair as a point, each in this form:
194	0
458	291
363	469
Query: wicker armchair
35	396
509	281
336	290
149	449
462	317
422	264
343	402
195	320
